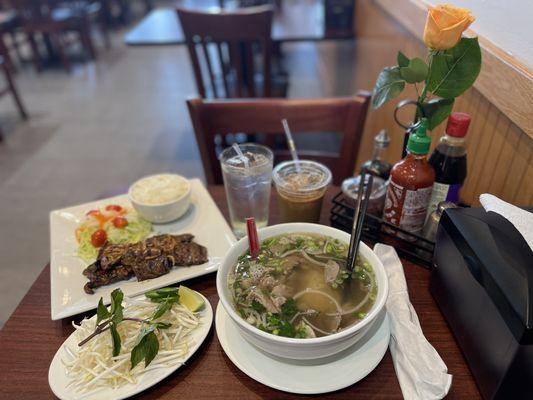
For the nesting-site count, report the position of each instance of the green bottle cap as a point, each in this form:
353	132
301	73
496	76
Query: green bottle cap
419	142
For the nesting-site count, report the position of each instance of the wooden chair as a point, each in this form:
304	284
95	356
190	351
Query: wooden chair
53	19
224	48
222	117
10	88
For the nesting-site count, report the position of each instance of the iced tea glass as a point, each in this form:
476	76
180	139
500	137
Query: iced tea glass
301	186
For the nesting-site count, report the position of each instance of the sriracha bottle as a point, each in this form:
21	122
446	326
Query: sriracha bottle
411	182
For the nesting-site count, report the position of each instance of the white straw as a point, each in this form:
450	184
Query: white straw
290	142
242	156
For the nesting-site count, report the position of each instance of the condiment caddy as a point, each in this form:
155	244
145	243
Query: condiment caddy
409	245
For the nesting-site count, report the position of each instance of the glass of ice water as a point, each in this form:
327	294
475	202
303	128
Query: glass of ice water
247	182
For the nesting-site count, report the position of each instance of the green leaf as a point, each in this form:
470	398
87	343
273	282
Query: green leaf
116	300
101	312
258	306
146	348
437	110
162	309
388	85
416	71
137	355
403	60
162	325
289	309
116	306
455	70
116	340
152	347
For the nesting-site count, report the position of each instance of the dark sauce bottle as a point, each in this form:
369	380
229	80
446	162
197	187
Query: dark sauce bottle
449	161
377	166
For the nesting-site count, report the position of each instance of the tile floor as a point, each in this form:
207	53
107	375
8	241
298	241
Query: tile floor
99	129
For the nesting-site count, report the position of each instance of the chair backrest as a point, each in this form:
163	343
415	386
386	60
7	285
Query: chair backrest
222	117
227	45
34	9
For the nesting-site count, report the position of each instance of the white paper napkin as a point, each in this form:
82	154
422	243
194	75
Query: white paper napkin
521	219
420	370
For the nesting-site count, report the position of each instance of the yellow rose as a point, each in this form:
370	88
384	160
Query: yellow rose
444	25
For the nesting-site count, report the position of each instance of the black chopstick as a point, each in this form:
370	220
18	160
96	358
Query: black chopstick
358	219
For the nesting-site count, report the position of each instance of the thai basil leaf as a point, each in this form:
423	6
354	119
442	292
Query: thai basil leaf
162	325
403	60
453	71
388	85
152	348
116	339
101	312
437	110
116	300
116	306
146	349
162	309
416	71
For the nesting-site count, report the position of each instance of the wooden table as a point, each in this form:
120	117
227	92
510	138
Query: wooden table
299	20
30	339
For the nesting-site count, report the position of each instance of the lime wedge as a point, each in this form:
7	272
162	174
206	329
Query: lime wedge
190	299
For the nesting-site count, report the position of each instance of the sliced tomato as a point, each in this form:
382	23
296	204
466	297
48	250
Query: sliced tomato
113	207
98	238
120	222
92	212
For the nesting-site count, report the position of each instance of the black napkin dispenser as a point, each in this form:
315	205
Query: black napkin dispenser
482	281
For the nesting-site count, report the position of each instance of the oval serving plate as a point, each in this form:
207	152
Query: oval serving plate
58	380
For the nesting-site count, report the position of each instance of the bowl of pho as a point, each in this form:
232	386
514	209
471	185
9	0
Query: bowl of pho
296	300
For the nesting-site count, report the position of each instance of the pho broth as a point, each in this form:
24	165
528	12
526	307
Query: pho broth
299	286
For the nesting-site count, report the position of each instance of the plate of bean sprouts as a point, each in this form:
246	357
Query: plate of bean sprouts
91	371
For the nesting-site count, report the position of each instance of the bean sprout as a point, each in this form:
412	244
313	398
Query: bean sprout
92	366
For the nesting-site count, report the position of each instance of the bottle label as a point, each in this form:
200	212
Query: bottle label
406	208
443	192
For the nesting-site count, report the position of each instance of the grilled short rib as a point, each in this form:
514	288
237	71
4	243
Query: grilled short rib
153	257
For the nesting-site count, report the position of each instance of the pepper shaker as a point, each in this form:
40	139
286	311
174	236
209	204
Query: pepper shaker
432	223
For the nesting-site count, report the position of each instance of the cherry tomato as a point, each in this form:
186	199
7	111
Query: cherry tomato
120	222
92	212
113	207
98	238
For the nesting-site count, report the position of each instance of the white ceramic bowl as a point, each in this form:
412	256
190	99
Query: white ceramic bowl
166	211
301	349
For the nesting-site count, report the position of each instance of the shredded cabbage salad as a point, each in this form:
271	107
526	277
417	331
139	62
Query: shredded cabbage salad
136	230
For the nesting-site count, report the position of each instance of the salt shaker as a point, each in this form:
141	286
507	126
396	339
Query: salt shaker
432	223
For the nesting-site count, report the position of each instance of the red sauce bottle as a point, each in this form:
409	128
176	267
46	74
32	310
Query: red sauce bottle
411	183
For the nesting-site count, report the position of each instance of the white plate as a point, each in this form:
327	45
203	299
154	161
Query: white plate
58	380
304	377
203	220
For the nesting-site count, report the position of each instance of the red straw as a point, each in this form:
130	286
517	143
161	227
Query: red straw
253	239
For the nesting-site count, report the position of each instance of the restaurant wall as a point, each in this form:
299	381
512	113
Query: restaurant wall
500	157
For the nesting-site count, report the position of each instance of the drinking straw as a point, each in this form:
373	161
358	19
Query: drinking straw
358	219
242	156
253	238
290	143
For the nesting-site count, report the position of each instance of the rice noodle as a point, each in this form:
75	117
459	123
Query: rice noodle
315	328
92	365
311	259
362	302
309	290
288	253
